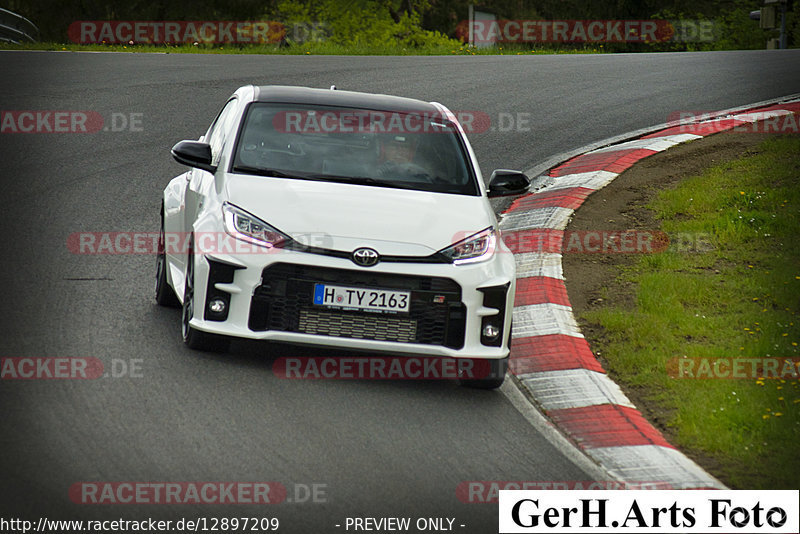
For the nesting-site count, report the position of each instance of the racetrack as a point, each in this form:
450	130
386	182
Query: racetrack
381	448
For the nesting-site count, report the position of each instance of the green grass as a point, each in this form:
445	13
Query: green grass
312	48
728	286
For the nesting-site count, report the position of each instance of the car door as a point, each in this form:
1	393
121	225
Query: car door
198	181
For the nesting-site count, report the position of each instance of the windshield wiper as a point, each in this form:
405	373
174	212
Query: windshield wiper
260	171
360	180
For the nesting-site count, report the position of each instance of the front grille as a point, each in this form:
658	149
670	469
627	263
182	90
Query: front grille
382	328
283	302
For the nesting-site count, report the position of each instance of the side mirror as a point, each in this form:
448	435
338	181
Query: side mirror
505	183
194	154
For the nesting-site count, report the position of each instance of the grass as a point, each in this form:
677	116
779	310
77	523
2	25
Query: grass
312	48
727	287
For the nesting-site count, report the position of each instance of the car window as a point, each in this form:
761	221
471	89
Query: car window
406	150
219	130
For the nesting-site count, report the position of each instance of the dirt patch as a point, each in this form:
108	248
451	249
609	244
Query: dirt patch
593	280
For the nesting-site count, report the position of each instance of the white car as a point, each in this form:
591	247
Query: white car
342	219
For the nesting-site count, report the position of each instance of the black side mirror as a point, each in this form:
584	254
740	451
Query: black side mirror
194	154
505	182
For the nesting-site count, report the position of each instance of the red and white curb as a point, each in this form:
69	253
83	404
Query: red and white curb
549	356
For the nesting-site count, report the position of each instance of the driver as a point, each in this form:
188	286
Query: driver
398	149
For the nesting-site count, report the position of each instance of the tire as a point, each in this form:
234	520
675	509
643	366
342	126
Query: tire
495	378
193	338
165	296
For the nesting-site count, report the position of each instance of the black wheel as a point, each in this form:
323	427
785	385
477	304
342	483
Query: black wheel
193	338
495	378
165	296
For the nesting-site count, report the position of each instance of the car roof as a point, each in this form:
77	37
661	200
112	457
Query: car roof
348	99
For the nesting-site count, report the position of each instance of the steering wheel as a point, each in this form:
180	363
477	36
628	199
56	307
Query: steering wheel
394	169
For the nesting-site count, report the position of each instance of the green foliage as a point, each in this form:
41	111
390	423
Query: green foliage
363	23
426	25
737	31
733	297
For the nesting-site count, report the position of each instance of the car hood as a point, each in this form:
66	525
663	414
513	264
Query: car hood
345	216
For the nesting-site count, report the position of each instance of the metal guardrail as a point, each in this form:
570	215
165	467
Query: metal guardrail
16	28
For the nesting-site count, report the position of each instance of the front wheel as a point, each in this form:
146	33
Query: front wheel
493	380
193	338
165	296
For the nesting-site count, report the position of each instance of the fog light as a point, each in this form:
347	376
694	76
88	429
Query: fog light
490	331
216	305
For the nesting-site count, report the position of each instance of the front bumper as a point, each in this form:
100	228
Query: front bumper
269	298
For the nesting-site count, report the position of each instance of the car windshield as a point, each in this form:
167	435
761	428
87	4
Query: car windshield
420	151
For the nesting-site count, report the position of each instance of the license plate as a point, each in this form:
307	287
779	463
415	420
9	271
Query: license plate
359	298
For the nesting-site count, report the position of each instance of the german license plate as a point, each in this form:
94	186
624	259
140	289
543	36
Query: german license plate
359	298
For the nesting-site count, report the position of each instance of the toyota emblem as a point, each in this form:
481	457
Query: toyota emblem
365	257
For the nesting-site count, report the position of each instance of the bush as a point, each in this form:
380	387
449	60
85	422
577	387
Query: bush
367	23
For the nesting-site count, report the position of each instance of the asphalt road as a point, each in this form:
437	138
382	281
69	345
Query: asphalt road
379	448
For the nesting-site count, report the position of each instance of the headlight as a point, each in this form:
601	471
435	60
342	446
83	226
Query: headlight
242	225
475	248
